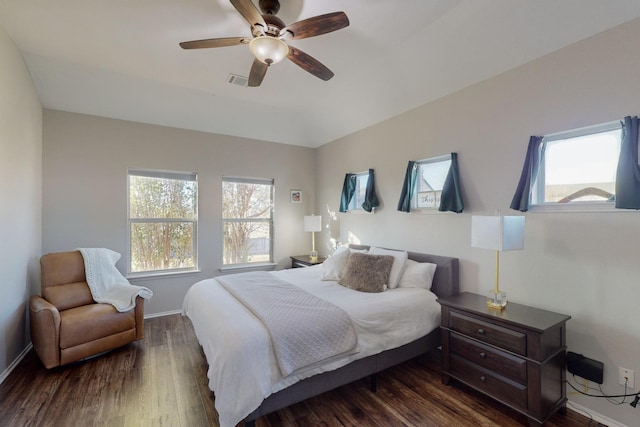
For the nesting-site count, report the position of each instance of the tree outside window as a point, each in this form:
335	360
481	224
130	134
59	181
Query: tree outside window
163	213
247	214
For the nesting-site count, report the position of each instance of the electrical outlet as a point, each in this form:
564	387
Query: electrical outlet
626	376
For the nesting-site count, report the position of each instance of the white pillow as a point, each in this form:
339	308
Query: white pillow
360	251
333	267
417	275
400	258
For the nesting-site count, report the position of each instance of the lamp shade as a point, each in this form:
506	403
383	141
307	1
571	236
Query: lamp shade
268	50
313	223
500	233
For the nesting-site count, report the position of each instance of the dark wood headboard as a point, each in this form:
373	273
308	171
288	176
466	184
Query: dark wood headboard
446	281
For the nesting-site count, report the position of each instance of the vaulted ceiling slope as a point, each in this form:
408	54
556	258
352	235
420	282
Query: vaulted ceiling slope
121	59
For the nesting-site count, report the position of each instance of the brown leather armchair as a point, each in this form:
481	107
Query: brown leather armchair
67	324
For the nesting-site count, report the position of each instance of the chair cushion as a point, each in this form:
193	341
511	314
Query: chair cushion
83	324
68	296
62	267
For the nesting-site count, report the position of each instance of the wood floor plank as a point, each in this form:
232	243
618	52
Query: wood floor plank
162	381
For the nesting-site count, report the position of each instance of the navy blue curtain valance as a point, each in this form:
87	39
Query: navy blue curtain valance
628	173
370	198
408	187
522	198
348	190
451	196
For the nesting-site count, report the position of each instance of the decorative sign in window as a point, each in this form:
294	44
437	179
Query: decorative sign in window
429	199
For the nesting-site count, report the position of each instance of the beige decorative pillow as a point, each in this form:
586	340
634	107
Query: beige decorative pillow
367	273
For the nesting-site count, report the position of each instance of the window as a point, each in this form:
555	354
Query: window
163	219
432	185
430	178
360	194
247	215
578	167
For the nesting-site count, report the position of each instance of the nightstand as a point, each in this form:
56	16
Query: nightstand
305	261
516	356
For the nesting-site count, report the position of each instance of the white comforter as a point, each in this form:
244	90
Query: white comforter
243	370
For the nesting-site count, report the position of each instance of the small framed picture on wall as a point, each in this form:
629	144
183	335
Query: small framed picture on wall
296	196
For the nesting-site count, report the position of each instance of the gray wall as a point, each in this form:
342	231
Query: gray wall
85	161
582	264
21	195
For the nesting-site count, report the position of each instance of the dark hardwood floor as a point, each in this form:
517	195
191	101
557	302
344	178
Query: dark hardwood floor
162	381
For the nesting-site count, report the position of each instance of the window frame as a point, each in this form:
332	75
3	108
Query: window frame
270	220
418	165
166	174
538	186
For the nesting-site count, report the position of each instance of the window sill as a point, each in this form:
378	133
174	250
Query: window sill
265	266
579	207
360	212
427	211
161	275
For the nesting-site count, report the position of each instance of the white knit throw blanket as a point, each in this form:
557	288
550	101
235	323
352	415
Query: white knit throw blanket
304	329
106	283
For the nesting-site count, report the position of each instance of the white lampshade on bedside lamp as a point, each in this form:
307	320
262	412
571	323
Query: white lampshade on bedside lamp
313	223
500	233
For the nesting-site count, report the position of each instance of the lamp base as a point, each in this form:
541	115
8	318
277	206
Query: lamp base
313	256
497	300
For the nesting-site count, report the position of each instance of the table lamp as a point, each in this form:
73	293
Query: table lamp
500	233
313	223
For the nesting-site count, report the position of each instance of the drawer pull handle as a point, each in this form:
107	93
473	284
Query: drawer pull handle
481	331
483	354
483	378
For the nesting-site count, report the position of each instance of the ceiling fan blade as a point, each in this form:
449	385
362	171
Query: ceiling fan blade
309	64
258	70
249	12
317	25
222	42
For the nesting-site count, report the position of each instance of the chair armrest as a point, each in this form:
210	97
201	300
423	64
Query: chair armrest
139	313
45	330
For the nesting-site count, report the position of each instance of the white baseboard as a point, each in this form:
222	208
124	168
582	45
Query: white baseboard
596	416
13	364
164	313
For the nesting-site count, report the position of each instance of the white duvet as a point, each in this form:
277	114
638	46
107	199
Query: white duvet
243	370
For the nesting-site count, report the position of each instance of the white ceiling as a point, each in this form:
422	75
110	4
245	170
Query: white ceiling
121	59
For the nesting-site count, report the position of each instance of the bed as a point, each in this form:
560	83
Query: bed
243	371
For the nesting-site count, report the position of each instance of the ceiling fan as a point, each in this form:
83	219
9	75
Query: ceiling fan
268	43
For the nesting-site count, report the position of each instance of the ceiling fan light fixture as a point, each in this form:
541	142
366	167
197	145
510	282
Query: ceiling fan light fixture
268	50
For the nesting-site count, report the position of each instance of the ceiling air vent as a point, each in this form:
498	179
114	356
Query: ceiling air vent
237	80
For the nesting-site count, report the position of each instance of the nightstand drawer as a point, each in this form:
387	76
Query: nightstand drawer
509	392
505	338
500	362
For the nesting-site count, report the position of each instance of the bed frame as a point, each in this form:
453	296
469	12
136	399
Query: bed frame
445	283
